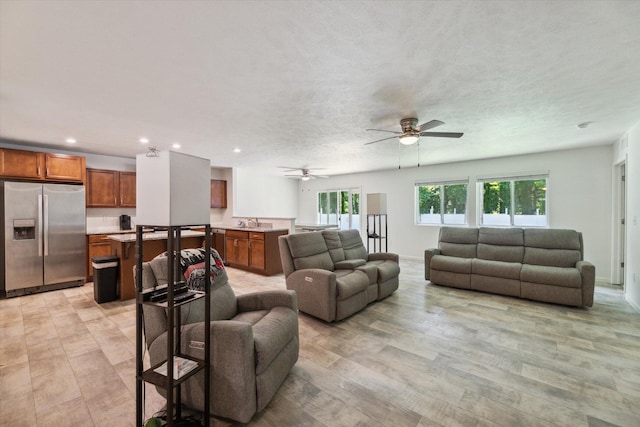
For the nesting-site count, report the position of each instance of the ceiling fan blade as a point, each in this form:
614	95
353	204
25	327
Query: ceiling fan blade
380	140
429	125
443	134
290	169
384	130
319	176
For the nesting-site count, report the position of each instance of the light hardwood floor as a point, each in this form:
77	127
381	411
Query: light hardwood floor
425	356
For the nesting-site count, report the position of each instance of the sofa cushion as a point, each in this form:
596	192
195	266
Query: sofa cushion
451	263
552	239
458	242
352	244
507	270
501	236
349	283
386	269
332	239
558	276
551	257
309	250
500	253
501	244
349	264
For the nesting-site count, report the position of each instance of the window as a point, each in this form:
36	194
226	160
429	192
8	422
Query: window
515	201
441	202
341	208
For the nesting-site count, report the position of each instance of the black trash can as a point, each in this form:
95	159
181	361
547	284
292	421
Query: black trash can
105	278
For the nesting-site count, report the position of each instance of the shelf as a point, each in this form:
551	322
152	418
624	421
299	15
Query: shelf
377	232
153	377
173	327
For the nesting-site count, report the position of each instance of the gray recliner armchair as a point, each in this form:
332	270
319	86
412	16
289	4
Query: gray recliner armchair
254	343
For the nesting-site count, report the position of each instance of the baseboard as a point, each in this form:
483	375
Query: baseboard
635	306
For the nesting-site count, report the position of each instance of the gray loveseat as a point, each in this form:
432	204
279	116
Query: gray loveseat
332	273
254	342
538	264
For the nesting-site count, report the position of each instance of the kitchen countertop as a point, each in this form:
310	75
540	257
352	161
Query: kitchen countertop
158	235
108	230
258	229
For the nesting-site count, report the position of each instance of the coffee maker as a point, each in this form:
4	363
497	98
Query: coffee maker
125	222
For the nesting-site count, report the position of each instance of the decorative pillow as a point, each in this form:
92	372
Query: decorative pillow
192	265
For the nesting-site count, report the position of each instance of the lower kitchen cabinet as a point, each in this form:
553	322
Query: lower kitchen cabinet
255	251
237	248
97	245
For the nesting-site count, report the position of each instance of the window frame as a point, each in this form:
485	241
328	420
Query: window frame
443	183
512	179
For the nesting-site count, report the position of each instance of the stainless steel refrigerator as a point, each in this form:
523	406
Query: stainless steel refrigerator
43	236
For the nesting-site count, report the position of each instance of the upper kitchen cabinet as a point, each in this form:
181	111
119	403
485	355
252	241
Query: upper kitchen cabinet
21	164
218	193
127	189
102	188
63	167
111	189
33	165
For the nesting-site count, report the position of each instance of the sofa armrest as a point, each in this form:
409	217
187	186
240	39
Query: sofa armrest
233	367
428	254
588	273
267	300
384	256
316	291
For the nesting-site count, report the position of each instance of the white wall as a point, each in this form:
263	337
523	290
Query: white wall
632	265
258	194
579	197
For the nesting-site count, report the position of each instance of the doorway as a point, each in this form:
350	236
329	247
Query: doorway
619	226
340	208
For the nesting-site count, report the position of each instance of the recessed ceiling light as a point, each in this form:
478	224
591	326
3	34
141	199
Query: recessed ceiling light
236	150
144	140
71	141
583	125
176	145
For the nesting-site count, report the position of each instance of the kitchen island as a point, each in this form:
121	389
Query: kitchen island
124	247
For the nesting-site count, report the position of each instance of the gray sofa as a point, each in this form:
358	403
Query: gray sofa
332	273
254	342
538	264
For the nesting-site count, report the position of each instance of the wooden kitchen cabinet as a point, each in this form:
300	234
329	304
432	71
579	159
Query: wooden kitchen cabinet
21	164
33	165
237	248
63	167
97	245
255	251
127	189
218	193
102	188
111	189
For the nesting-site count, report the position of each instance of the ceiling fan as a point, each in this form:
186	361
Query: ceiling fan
306	173
411	132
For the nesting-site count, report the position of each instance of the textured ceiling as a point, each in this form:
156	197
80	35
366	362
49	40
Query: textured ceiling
297	83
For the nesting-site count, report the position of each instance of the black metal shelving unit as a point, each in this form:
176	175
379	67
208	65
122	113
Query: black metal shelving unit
167	382
377	232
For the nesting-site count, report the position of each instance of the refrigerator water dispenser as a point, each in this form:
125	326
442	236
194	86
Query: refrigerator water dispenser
24	229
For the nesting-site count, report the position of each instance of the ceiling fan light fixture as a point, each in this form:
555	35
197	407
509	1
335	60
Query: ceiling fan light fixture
305	178
408	139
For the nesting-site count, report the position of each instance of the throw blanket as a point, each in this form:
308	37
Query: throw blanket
192	265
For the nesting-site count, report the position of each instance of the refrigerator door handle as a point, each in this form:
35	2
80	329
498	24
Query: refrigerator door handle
39	225
46	225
